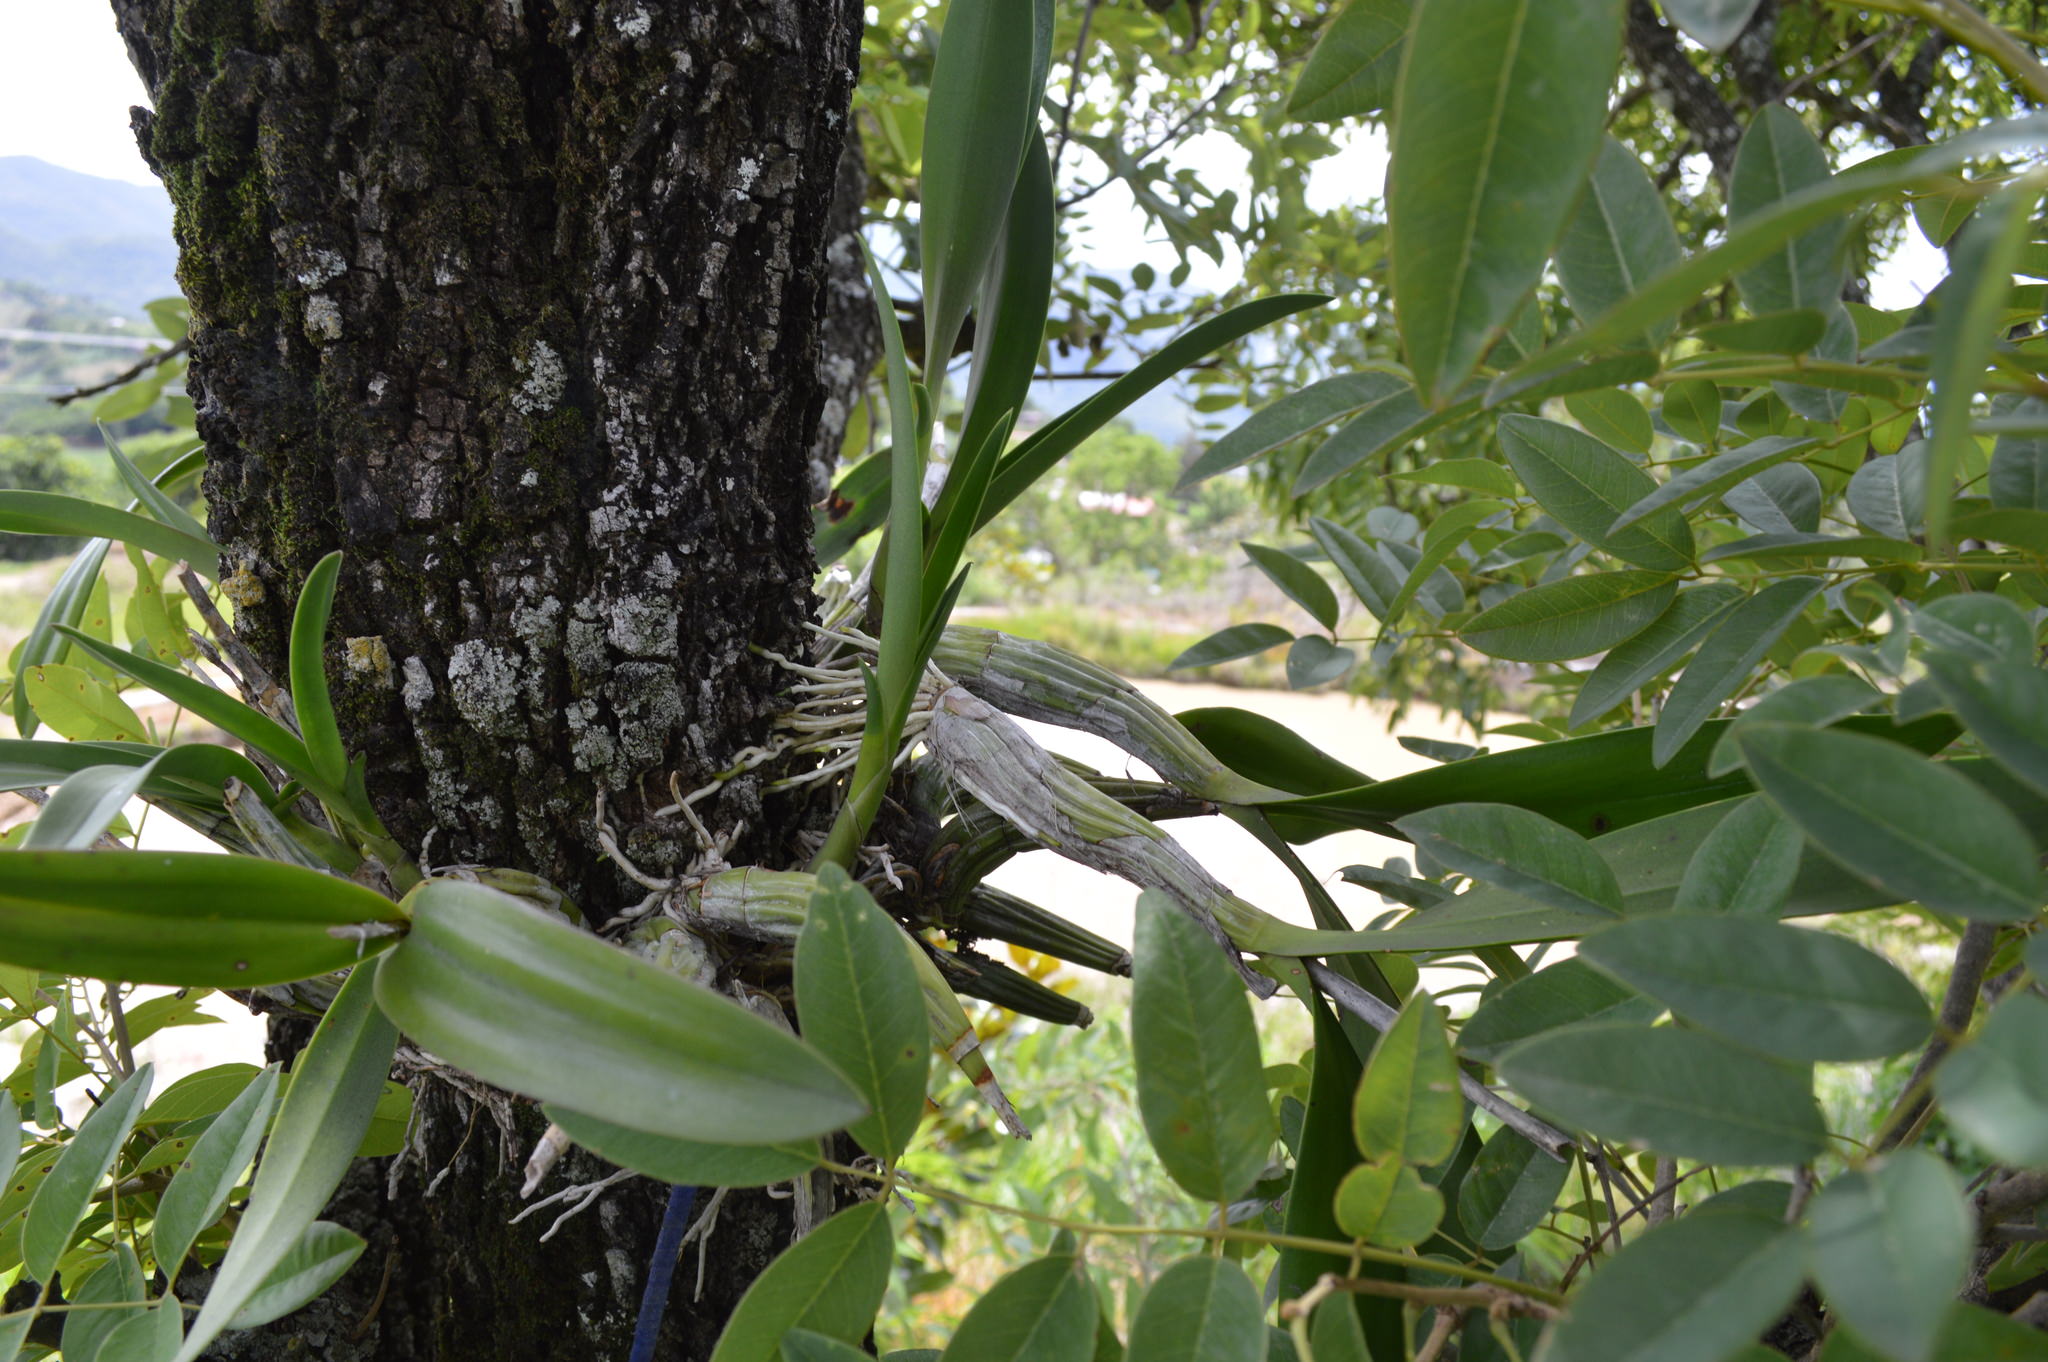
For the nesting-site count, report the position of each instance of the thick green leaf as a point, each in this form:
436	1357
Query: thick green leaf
1715	475
1301	583
1777	158
1966	327
1746	865
184	917
309	677
1613	417
861	1006
1890	1248
2019	463
1498	119
1683	1093
1439	542
84	806
198	1191
1201	1086
66	604
150	497
1586	486
152	1336
1564	994
1408	1107
78	705
1727	659
1334	1335
1572	617
1811	548
985	87
1896	820
1392	423
1517	850
1814	701
1652	652
1995	1089
1977	624
1199	1310
306	1269
1010	325
56	513
333	1097
1620	238
1478	475
2005	704
1768	229
1508	1190
117	1281
1314	660
1802	995
1777	333
522	999
1388	1204
1226	645
251	726
1042	1312
1784	499
1247	742
829	1282
687	1163
61	1201
1888	496
1046	446
801	1345
1352	69
1295	415
1694	1290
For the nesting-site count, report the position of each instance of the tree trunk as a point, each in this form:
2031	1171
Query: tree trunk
518	304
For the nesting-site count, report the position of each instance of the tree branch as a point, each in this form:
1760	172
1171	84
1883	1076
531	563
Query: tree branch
1699	108
1958	1005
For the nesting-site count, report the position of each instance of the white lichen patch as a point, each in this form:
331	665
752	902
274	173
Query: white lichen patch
634	25
748	172
368	657
589	744
546	379
538	625
323	317
485	684
419	684
322	267
643	626
530	478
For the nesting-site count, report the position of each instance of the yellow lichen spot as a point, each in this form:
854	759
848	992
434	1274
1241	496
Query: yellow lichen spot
242	587
369	657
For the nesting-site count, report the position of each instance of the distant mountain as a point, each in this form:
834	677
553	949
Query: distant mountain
107	240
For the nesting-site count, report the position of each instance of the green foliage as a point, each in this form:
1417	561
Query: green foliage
1781	660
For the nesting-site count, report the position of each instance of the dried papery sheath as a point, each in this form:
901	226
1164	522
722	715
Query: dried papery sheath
990	755
1035	680
266	832
1002	916
994	982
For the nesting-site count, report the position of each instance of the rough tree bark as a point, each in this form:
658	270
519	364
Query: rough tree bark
518	304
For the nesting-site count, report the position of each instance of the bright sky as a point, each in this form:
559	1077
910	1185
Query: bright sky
65	88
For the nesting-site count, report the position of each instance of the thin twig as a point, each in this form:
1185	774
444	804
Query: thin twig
1958	1005
1376	1014
118	1023
127	375
1440	1332
1450	1297
1075	71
